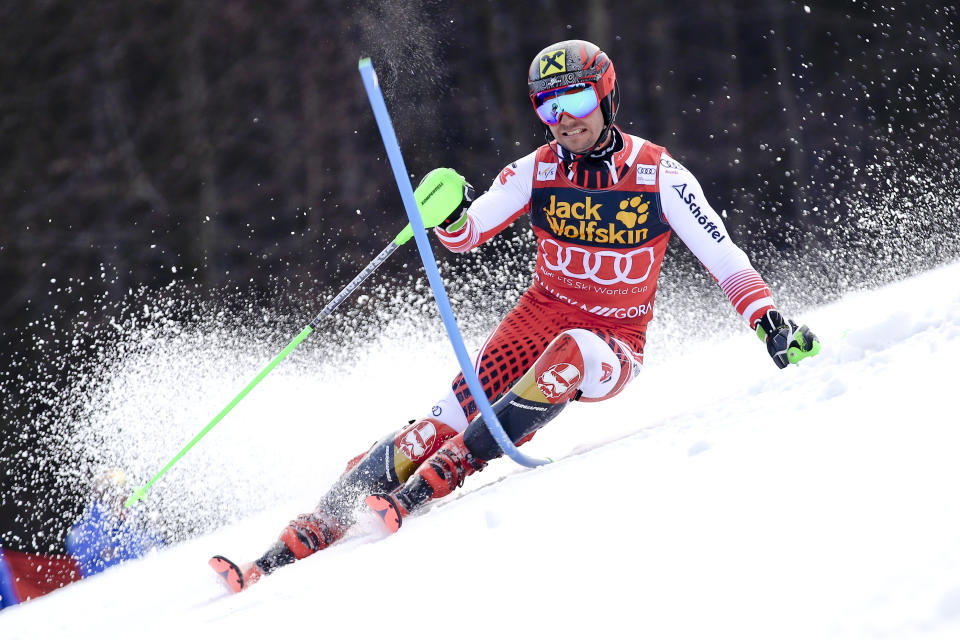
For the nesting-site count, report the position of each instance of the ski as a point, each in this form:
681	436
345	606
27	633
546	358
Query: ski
234	577
386	508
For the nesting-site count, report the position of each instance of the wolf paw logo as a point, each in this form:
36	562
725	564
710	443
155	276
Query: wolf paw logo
638	215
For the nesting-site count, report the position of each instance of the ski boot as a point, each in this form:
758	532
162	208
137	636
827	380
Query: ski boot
443	472
306	535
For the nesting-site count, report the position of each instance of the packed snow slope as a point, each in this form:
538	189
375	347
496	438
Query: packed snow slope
717	497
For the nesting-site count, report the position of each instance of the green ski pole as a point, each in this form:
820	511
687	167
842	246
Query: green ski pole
440	190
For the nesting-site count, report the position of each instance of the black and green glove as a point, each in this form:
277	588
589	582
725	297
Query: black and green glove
786	342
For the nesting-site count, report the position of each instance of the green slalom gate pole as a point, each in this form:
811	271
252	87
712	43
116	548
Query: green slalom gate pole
140	493
434	195
438	192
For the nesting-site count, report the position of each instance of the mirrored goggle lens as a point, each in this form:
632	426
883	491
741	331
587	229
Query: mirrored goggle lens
578	102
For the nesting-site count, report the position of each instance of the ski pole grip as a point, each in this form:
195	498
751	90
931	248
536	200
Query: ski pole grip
439	194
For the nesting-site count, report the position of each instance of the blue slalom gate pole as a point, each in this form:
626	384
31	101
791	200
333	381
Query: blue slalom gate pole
372	86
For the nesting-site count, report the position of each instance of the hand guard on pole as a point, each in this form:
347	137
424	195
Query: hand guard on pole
457	216
439	196
786	342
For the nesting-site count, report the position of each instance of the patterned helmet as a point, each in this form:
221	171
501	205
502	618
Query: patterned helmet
574	62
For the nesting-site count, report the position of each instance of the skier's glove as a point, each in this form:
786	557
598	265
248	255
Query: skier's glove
786	342
444	197
456	220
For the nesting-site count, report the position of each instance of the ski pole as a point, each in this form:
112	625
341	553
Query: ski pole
433	195
389	136
140	493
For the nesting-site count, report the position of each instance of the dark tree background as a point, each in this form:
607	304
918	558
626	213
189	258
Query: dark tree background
229	147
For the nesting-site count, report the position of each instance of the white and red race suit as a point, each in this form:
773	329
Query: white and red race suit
602	224
599	252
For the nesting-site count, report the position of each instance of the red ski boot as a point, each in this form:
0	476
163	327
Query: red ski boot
443	472
311	532
304	536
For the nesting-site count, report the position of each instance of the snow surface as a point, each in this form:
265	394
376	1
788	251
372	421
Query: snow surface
715	498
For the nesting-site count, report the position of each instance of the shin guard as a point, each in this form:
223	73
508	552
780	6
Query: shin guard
535	399
443	472
386	466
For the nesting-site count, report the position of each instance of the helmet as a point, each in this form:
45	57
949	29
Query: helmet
110	488
574	62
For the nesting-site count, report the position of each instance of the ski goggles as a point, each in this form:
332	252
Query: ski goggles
576	100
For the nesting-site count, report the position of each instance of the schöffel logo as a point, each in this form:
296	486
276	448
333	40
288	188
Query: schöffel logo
602	267
583	221
691	201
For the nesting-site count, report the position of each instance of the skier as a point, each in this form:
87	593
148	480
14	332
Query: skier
603	204
107	534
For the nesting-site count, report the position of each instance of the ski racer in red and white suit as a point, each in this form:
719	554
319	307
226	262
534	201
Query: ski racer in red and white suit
603	205
599	253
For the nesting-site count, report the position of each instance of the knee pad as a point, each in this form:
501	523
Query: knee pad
416	442
387	464
607	365
535	399
559	371
577	363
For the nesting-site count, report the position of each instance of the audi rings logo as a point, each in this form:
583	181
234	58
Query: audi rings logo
600	266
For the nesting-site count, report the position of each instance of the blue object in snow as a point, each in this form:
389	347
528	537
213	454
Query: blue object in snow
104	537
8	595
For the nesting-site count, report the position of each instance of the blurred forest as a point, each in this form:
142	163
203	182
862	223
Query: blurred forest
229	147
